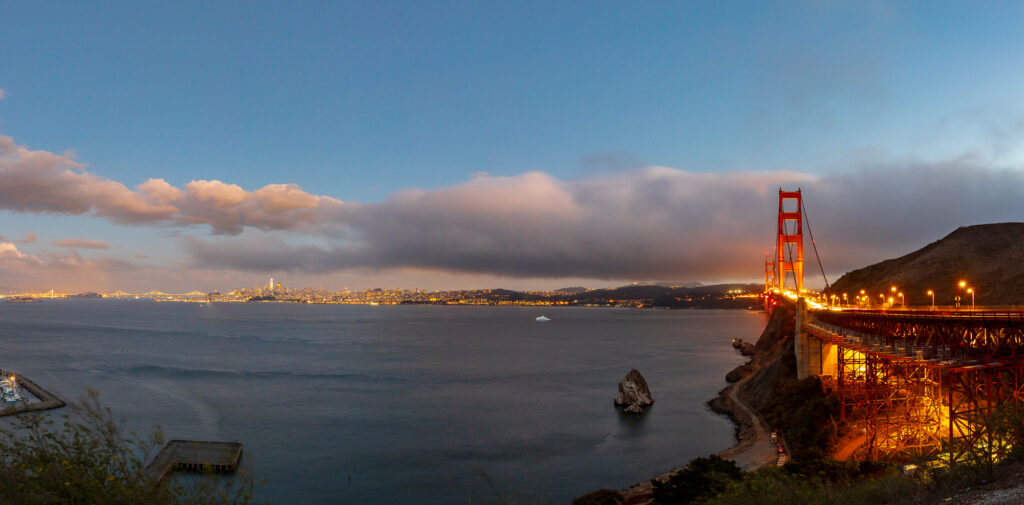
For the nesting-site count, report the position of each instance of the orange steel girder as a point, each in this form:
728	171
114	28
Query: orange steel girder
788	240
896	400
915	381
976	393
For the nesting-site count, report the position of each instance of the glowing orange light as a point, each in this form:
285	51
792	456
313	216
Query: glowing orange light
963	283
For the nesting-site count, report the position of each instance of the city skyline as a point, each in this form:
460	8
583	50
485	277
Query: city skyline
526	147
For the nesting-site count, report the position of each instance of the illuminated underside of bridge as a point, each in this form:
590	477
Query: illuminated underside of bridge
919	383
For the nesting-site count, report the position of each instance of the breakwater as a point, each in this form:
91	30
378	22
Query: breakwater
47	400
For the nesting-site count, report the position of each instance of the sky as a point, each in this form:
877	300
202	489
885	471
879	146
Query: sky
525	145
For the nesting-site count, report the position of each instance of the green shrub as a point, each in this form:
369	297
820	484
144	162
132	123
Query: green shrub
702	478
779	487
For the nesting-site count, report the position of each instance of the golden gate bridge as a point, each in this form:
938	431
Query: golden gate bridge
916	382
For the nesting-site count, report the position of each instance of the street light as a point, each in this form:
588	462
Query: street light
971	291
903	301
932	294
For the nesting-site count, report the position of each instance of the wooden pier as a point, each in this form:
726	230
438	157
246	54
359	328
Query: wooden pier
194	456
46	399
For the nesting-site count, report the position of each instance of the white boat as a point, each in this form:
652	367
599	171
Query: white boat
542	319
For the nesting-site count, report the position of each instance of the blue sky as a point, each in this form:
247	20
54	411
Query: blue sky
359	101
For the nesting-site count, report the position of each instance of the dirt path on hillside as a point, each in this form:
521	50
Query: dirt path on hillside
756	450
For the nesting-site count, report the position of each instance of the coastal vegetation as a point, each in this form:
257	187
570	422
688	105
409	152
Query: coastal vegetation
86	457
828	482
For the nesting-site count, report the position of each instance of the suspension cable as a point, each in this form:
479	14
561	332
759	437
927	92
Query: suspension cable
813	244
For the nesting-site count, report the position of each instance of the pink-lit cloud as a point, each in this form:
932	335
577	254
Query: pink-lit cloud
81	243
70	271
42	182
11	257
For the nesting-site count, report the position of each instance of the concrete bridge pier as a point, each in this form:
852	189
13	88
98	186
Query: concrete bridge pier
813	357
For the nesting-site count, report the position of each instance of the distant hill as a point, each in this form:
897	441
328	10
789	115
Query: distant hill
571	291
990	257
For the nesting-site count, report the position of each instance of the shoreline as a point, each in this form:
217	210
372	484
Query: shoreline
752	449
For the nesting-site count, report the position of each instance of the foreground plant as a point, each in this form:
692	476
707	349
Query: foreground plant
89	459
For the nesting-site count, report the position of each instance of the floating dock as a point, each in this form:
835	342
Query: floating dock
46	401
194	456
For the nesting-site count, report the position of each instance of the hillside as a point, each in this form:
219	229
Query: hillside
990	257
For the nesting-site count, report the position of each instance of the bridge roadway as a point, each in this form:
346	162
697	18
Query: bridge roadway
983	335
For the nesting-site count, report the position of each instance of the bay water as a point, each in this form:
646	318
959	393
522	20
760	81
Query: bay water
397	404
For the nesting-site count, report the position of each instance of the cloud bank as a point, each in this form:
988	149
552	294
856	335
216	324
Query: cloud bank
647	223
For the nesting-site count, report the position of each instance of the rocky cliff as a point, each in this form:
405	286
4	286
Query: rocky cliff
800	410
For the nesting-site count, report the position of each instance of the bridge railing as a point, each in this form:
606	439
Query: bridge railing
955	308
1004	313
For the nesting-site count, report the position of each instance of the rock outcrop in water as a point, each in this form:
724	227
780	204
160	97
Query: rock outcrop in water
634	393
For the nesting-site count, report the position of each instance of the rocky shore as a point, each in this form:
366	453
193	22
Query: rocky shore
753	448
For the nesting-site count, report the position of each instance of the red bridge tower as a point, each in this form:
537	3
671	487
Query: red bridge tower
789	245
